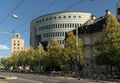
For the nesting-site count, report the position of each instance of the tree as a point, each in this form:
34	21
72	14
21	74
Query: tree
5	61
22	58
109	44
70	50
54	50
31	57
13	59
41	55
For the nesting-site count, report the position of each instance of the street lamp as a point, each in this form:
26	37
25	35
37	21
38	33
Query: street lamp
39	57
77	53
14	16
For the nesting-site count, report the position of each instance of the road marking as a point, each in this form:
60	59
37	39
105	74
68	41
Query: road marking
30	80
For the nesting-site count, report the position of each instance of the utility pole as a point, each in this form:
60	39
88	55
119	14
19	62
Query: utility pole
77	53
39	57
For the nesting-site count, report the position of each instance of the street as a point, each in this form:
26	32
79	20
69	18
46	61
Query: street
35	78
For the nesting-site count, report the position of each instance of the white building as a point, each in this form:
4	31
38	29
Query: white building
44	28
17	44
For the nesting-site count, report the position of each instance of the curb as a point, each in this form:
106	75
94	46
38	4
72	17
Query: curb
7	77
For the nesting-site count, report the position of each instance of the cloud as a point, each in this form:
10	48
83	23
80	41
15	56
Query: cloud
3	47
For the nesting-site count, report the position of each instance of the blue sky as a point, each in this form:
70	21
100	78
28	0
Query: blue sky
26	10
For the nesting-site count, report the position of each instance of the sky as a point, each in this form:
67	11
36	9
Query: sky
27	10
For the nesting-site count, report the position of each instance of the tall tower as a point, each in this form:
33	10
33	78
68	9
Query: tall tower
17	44
118	10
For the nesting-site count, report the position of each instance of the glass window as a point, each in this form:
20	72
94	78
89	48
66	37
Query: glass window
54	17
39	20
74	16
50	18
69	16
73	25
42	20
79	16
64	17
60	25
118	11
68	25
46	19
63	25
59	17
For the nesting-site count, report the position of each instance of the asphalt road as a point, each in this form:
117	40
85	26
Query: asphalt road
35	78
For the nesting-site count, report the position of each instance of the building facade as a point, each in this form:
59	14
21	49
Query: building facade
90	33
44	28
17	44
118	10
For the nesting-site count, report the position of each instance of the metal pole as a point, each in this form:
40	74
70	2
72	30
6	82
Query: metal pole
77	53
39	57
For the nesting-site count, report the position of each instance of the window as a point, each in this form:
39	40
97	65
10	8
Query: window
118	11
50	18
74	16
64	17
54	17
37	21
73	25
68	24
42	20
46	19
59	17
14	44
79	16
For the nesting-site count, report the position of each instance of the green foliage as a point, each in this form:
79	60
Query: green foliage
5	61
31	56
109	44
70	50
13	59
22	58
54	53
41	55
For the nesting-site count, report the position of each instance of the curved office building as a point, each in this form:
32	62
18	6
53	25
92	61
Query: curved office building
44	28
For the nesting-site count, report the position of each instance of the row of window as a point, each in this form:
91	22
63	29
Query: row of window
61	42
18	48
16	41
54	34
16	44
56	17
65	25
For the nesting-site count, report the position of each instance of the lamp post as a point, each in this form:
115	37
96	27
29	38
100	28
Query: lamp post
77	53
39	57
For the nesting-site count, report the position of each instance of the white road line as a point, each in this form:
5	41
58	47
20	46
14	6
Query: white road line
30	80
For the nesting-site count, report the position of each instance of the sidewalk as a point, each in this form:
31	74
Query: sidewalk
90	80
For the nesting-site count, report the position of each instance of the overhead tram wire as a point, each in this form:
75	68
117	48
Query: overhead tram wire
63	10
52	3
79	2
14	9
